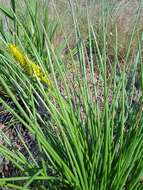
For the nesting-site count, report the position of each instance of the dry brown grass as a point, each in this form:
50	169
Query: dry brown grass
123	17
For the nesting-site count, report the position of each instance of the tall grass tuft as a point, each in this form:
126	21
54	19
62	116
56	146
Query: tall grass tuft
87	127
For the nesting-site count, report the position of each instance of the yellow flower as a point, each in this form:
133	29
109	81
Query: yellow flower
17	54
28	65
36	71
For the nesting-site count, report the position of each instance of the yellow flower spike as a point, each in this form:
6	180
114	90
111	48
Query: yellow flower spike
17	54
36	71
28	65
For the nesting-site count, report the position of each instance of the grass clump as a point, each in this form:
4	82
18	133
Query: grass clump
87	128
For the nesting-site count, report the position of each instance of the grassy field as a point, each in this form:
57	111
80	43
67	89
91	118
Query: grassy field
71	95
